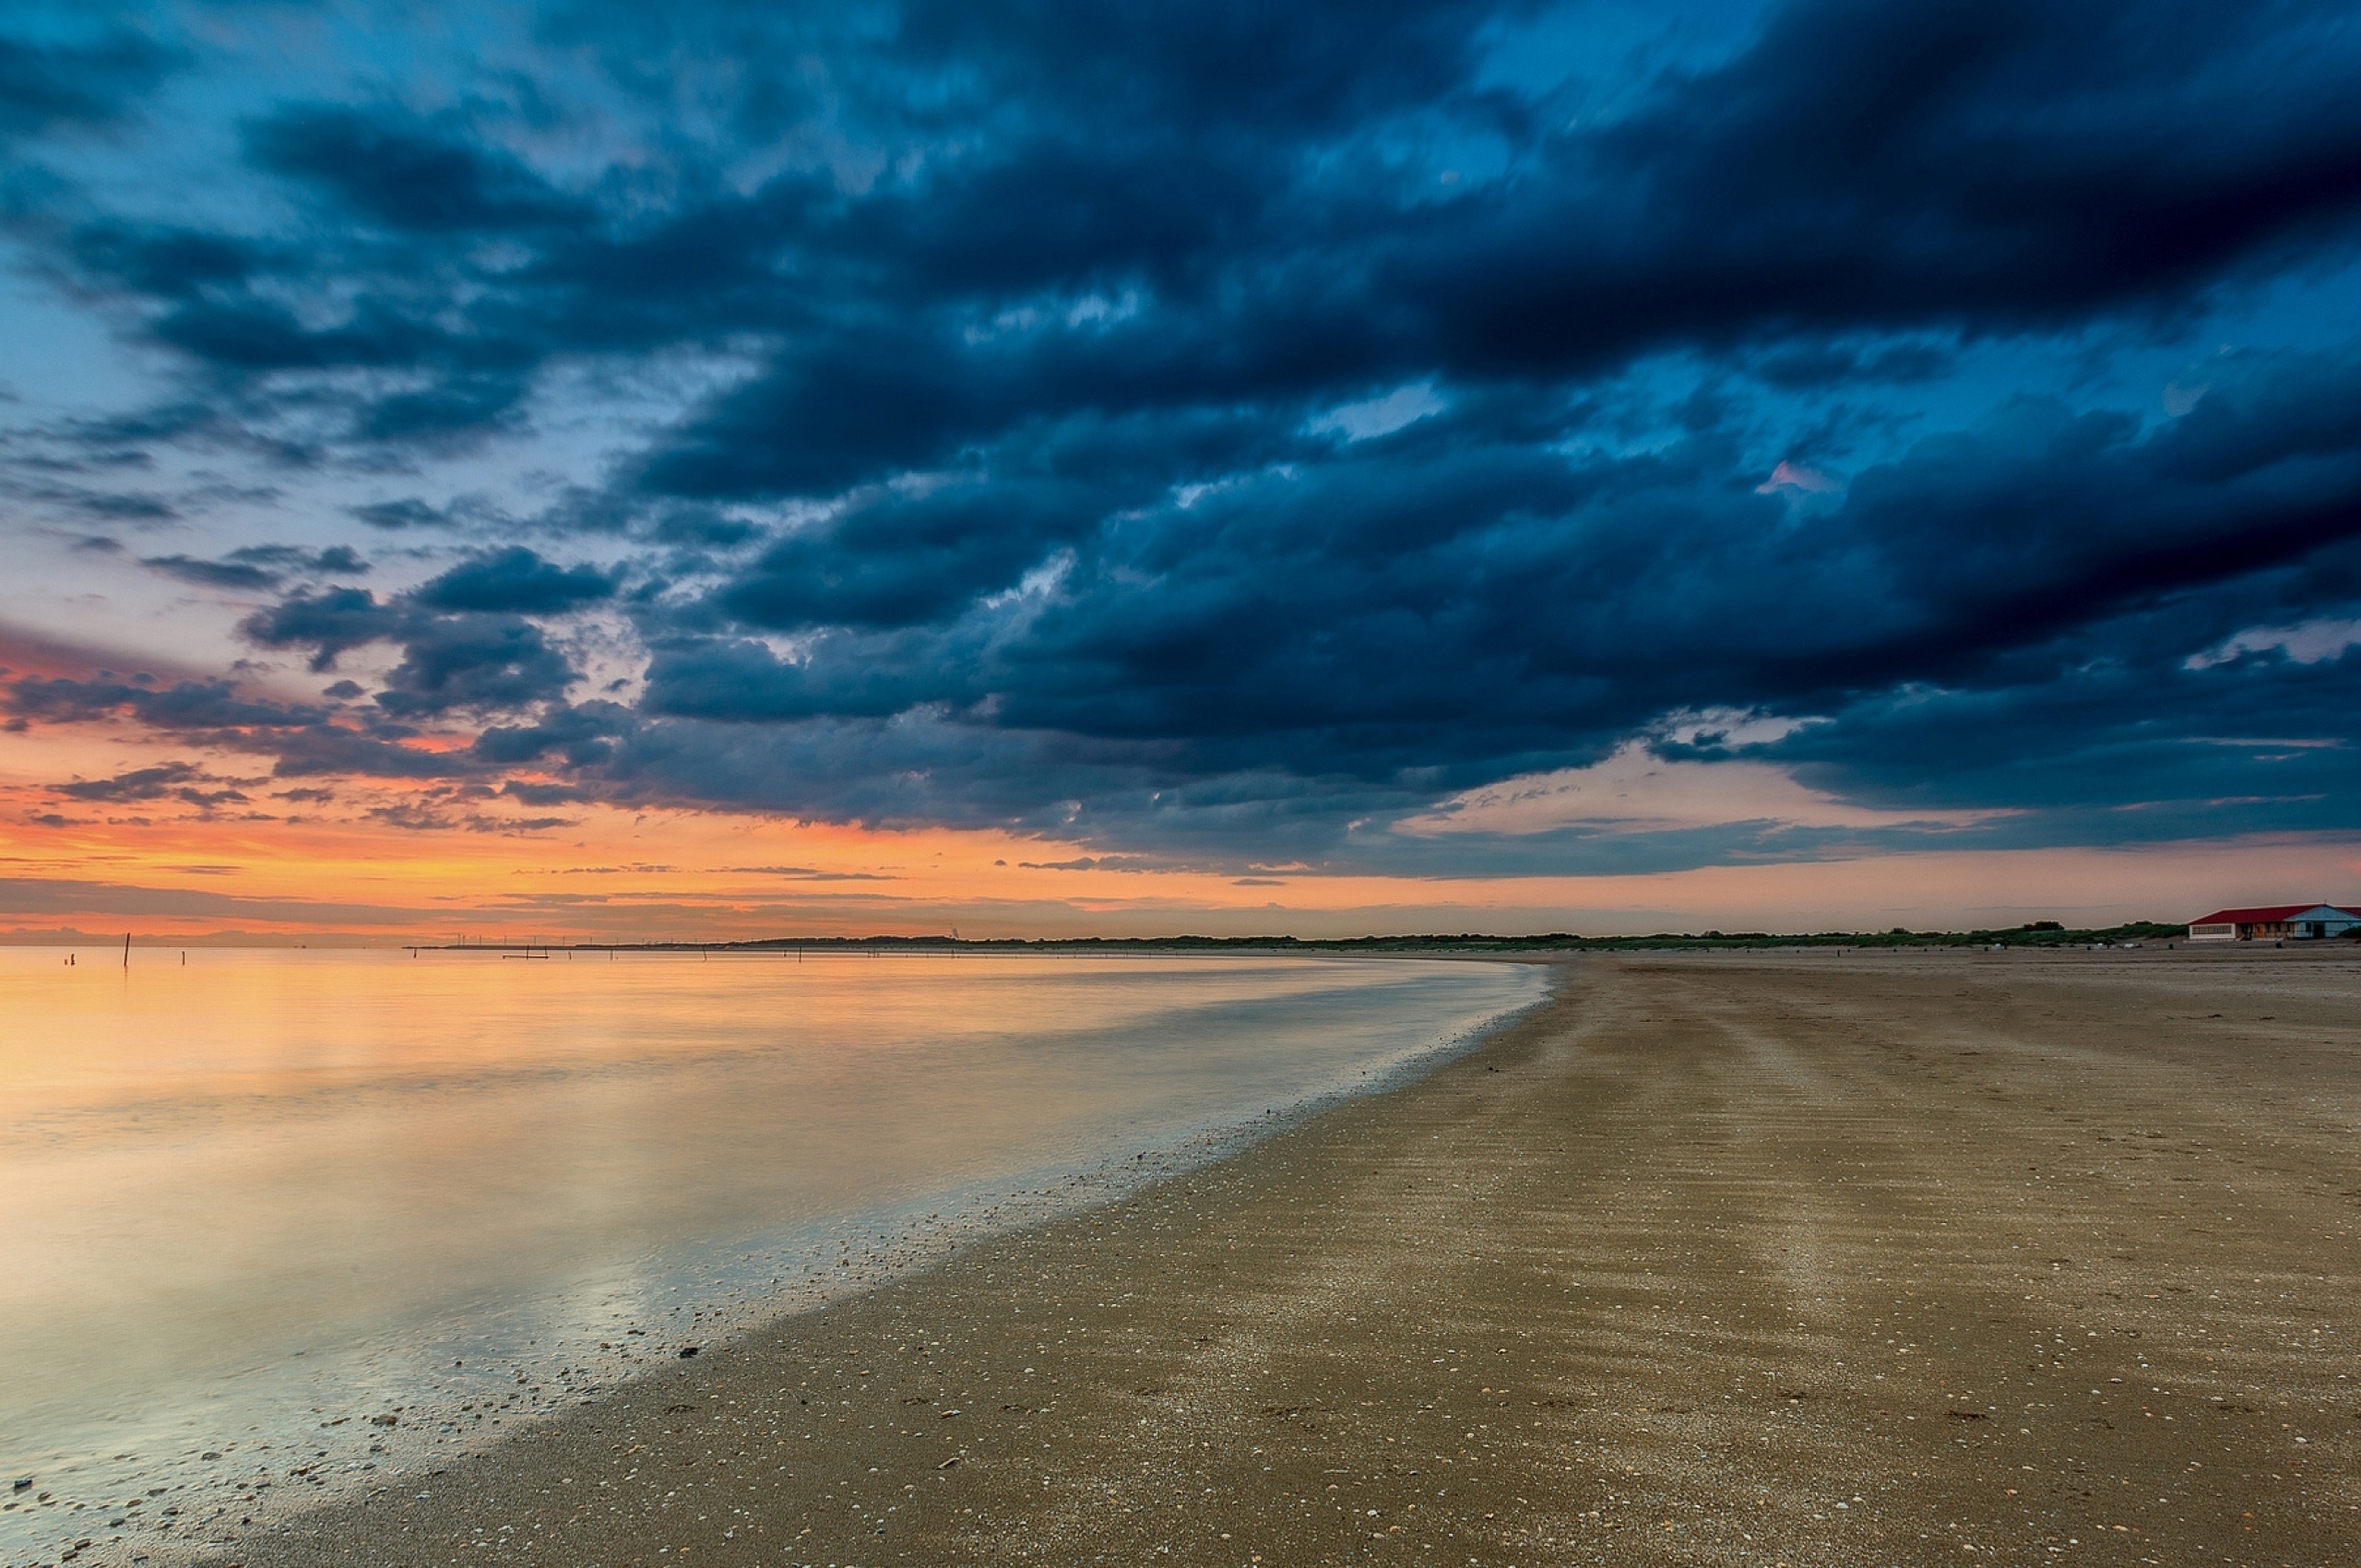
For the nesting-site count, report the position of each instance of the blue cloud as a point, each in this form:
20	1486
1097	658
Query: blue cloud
515	580
53	85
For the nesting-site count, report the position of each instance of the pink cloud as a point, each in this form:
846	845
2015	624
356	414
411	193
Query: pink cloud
1795	476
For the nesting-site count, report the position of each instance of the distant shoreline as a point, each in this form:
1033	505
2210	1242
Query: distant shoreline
2139	931
2045	935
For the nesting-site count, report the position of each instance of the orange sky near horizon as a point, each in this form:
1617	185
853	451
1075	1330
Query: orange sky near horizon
167	871
354	860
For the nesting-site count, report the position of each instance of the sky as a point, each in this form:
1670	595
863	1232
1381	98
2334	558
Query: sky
598	470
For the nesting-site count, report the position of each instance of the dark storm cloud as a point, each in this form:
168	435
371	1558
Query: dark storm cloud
407	177
580	735
335	561
1870	164
1994	164
466	640
301	740
543	795
480	662
1200	428
477	660
328	751
1862	166
330	622
864	677
406	514
211	574
1436	610
258	566
899	561
49	86
183	706
138	784
515	580
1474	590
459	410
118	507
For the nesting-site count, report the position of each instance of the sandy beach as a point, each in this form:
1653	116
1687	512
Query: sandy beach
1889	1258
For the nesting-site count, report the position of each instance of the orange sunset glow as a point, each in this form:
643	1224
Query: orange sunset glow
251	857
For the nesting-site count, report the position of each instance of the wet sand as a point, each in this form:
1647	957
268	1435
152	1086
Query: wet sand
1813	1260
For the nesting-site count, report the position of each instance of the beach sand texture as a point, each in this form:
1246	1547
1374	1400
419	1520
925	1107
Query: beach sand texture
1727	1259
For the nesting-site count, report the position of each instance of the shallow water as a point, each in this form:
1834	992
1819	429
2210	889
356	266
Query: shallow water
258	1199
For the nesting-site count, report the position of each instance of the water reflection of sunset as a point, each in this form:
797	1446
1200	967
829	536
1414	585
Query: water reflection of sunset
272	1191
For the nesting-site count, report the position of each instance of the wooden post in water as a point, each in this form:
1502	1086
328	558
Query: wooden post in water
126	950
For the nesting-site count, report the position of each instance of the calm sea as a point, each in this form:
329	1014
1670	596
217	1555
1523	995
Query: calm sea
280	1223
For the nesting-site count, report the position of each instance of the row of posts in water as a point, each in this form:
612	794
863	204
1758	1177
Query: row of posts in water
73	960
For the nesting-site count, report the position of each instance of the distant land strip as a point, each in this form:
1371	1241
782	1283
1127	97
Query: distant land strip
2038	934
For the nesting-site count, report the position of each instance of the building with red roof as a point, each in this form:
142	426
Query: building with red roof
2275	923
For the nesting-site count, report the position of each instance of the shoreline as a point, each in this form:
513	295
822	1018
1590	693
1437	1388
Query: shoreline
1713	1258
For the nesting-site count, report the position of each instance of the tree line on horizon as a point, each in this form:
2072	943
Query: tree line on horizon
2033	933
